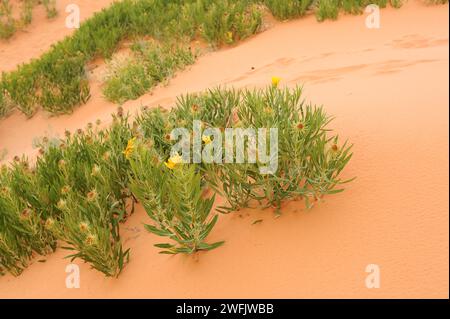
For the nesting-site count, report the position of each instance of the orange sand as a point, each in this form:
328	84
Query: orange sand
38	37
388	89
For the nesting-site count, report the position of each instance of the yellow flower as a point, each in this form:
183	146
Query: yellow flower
229	36
65	190
62	204
95	170
92	195
91	239
174	161
84	226
275	81
130	148
49	223
206	139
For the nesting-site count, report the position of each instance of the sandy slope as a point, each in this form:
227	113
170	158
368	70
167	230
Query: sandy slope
42	32
388	89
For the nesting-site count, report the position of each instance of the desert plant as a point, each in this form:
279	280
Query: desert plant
149	65
22	230
172	196
92	200
288	9
50	8
83	185
89	224
225	22
27	12
5	102
9	25
7	22
309	158
57	81
327	9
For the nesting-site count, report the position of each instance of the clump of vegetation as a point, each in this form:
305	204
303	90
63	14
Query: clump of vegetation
50	8
22	232
92	198
27	12
77	193
225	22
9	25
309	158
288	9
172	195
58	82
329	9
7	22
149	65
84	186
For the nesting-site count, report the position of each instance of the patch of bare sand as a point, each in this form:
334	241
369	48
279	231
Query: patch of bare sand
388	89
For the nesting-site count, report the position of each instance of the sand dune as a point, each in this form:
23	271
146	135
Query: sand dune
388	89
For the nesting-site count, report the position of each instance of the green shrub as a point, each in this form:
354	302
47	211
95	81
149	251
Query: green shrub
7	22
309	158
22	231
84	185
50	8
288	9
149	65
5	103
225	22
173	199
93	197
27	12
9	25
329	9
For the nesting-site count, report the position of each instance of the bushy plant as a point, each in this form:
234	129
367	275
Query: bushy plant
329	9
50	8
172	195
7	22
310	159
5	102
22	230
77	192
27	12
149	65
93	197
84	186
9	25
224	22
288	9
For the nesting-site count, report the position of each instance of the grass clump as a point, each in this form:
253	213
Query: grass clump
5	103
76	193
149	65
9	25
50	8
288	9
93	196
22	232
225	22
7	22
329	9
57	81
